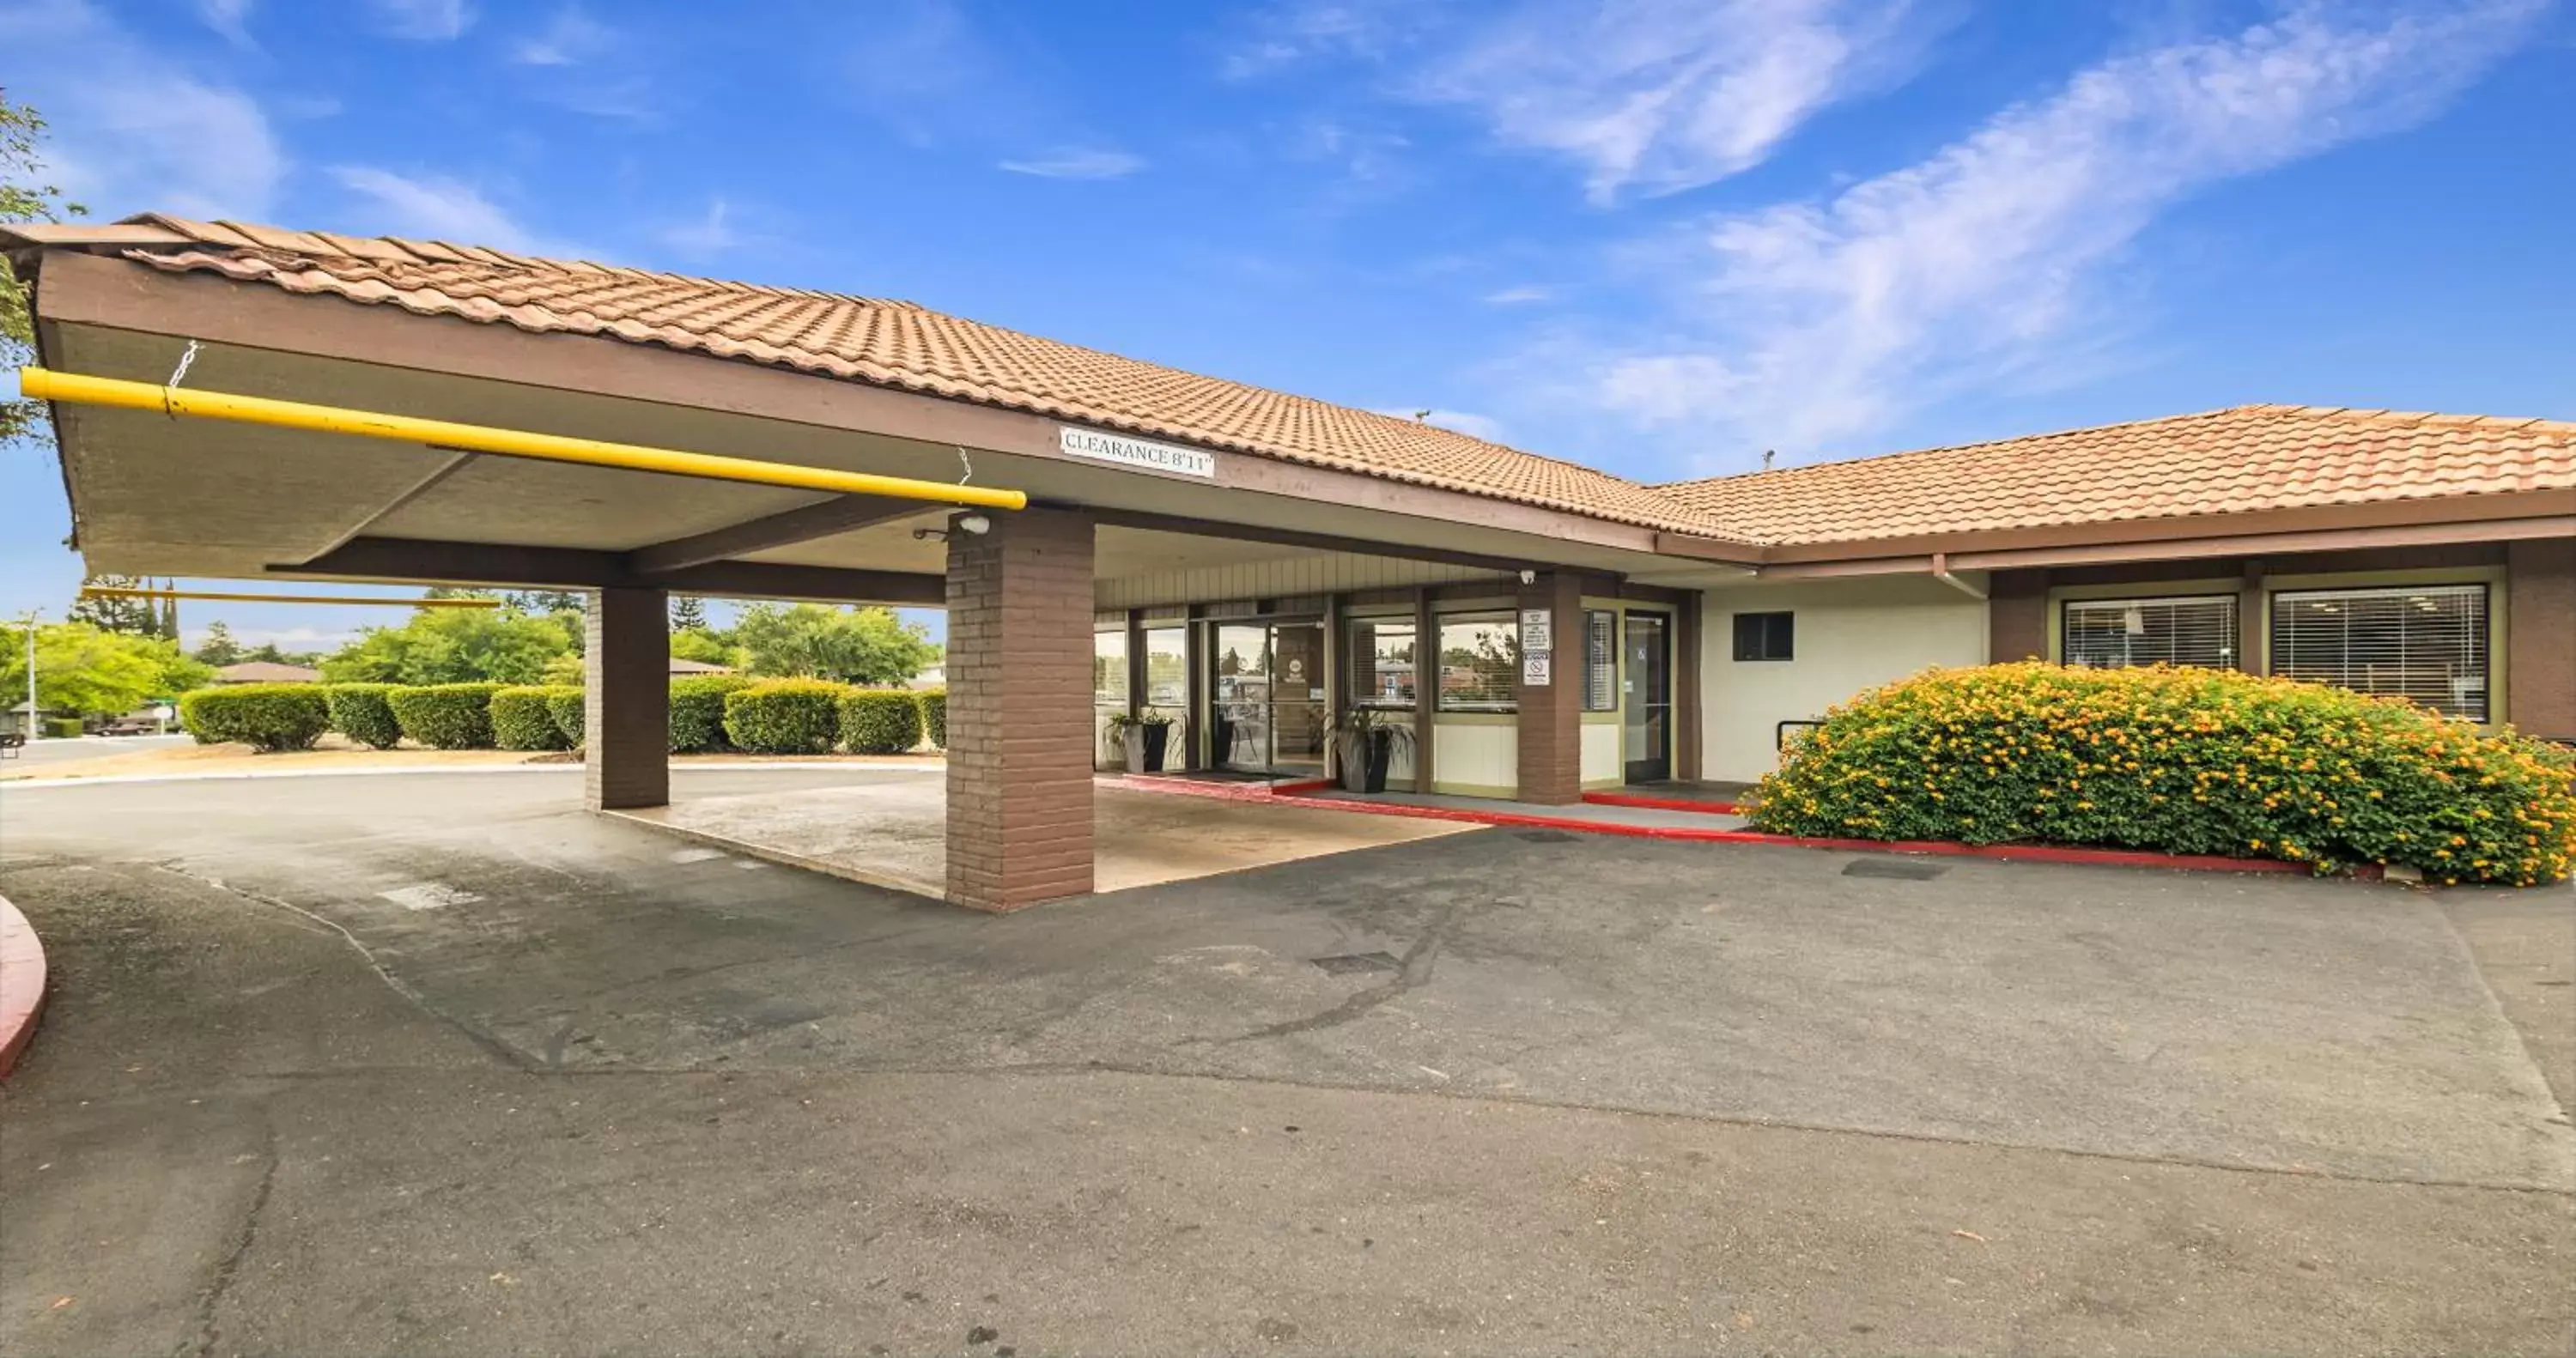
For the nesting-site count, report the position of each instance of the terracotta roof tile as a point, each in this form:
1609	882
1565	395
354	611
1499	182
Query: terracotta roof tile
2242	460
898	344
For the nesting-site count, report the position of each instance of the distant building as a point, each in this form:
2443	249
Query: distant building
932	675
267	672
679	666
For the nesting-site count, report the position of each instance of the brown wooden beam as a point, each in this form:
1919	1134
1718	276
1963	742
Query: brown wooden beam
1699	548
1290	537
804	523
419	560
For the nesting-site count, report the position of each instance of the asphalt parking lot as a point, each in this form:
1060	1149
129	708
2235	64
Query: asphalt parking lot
439	1063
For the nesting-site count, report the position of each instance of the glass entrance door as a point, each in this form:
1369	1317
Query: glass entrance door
1646	735
1267	697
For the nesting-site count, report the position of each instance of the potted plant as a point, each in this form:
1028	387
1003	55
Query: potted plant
1367	738
1143	737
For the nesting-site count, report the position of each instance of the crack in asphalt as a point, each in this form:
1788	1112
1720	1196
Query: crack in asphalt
1412	973
229	1267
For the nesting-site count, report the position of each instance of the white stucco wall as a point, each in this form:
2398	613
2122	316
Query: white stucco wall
1603	764
1851	635
1477	758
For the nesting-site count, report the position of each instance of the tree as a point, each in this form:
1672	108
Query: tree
688	613
544	600
452	646
852	645
87	669
220	649
23	198
701	644
140	617
169	619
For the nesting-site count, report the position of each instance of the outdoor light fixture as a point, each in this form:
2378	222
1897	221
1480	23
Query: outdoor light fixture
972	523
1529	577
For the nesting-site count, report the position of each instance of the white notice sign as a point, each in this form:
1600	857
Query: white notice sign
1161	457
1534	668
1537	630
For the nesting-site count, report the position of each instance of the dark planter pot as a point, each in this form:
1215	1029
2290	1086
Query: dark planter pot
1145	746
1367	771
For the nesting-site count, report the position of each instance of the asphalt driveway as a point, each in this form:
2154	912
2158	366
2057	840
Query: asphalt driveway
439	1063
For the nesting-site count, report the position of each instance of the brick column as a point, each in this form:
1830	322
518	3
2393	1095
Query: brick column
1551	728
626	704
1019	710
2016	616
2540	627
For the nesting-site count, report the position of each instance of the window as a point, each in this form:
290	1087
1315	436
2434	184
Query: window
1167	669
1381	660
2428	644
1109	670
1766	636
1600	660
2118	634
1480	663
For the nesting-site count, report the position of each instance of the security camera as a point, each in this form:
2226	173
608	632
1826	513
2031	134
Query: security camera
1529	577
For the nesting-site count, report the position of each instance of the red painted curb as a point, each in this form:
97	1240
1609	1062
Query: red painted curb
1229	792
2023	853
1662	803
22	984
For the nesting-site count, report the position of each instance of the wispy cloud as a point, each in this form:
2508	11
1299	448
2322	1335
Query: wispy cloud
133	130
228	18
569	38
1519	296
424	20
438	208
1807	323
1078	164
1651	96
713	233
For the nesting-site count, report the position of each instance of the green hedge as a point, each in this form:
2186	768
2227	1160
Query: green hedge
2184	761
934	715
698	711
267	717
521	719
67	728
879	721
360	712
567	704
446	716
784	716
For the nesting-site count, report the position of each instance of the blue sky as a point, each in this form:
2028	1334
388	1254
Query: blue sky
1658	236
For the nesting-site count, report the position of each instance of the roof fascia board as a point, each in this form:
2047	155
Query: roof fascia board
2186	549
79	288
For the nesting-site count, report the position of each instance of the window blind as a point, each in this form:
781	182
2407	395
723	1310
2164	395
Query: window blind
1600	661
2426	643
1480	663
2116	634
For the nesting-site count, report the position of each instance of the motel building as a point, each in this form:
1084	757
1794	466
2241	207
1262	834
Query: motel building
1114	539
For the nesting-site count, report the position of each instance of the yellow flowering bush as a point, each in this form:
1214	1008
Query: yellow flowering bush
2184	761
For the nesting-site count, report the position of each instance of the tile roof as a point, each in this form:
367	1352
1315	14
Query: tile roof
874	340
2241	460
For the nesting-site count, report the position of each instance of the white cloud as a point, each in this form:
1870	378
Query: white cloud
229	18
1078	164
1518	296
425	20
1474	426
1652	95
711	234
438	208
132	130
572	37
1820	321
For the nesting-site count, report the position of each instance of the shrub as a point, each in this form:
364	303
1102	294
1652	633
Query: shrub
65	728
266	717
934	715
2185	761
879	721
784	716
360	712
698	711
568	705
446	716
521	719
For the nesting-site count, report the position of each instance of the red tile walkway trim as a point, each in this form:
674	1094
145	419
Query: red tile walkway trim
1662	803
22	984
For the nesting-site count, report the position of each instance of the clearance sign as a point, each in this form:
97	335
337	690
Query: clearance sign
1159	457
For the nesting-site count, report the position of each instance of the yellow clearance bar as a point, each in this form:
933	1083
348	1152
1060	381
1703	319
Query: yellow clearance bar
40	384
122	592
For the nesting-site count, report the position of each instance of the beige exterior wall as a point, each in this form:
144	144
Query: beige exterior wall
1475	754
1850	635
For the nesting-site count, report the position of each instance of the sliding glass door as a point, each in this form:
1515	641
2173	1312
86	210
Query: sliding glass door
1267	696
